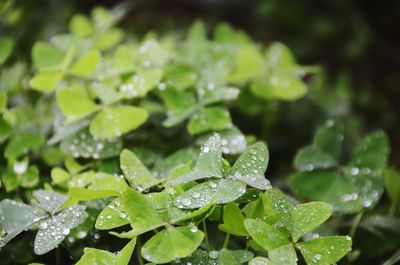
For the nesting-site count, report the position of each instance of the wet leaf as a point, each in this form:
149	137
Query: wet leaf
209	119
308	216
135	172
172	243
208	165
47	57
53	230
233	220
6	46
310	158
141	212
112	216
74	103
325	250
22	143
234	257
50	200
46	81
267	236
112	122
251	166
86	64
83	144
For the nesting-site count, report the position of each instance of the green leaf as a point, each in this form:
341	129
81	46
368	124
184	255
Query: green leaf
267	236
112	216
49	200
327	186
53	230
209	119
284	255
3	100
5	130
15	217
96	256
81	26
112	122
81	194
74	102
279	55
123	59
141	83
104	181
135	172
83	144
23	142
219	94
251	166
308	216
180	76
208	165
325	250
151	54
329	138
172	243
102	257
86	64
277	204
222	191
280	85
392	184
310	158
372	152
234	257
233	220
109	39
180	105
142	214
248	63
30	178
198	257
47	57
59	175
46	81
6	46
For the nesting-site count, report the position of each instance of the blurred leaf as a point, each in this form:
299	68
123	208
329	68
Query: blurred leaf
234	257
209	119
22	143
81	26
392	184
74	102
49	200
47	57
6	46
141	83
46	81
86	64
310	158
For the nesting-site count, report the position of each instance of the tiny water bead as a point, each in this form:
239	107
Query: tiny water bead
213	254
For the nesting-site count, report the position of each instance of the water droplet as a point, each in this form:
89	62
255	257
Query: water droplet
186	201
212	185
206	149
65	231
194	229
354	171
43	225
213	254
196	195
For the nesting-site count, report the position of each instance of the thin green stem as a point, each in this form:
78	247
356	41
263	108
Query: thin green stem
226	241
393	208
393	259
206	235
138	248
356	223
58	256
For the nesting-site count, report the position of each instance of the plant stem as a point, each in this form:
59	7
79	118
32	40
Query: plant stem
206	235
58	256
138	248
393	208
356	223
226	241
393	259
